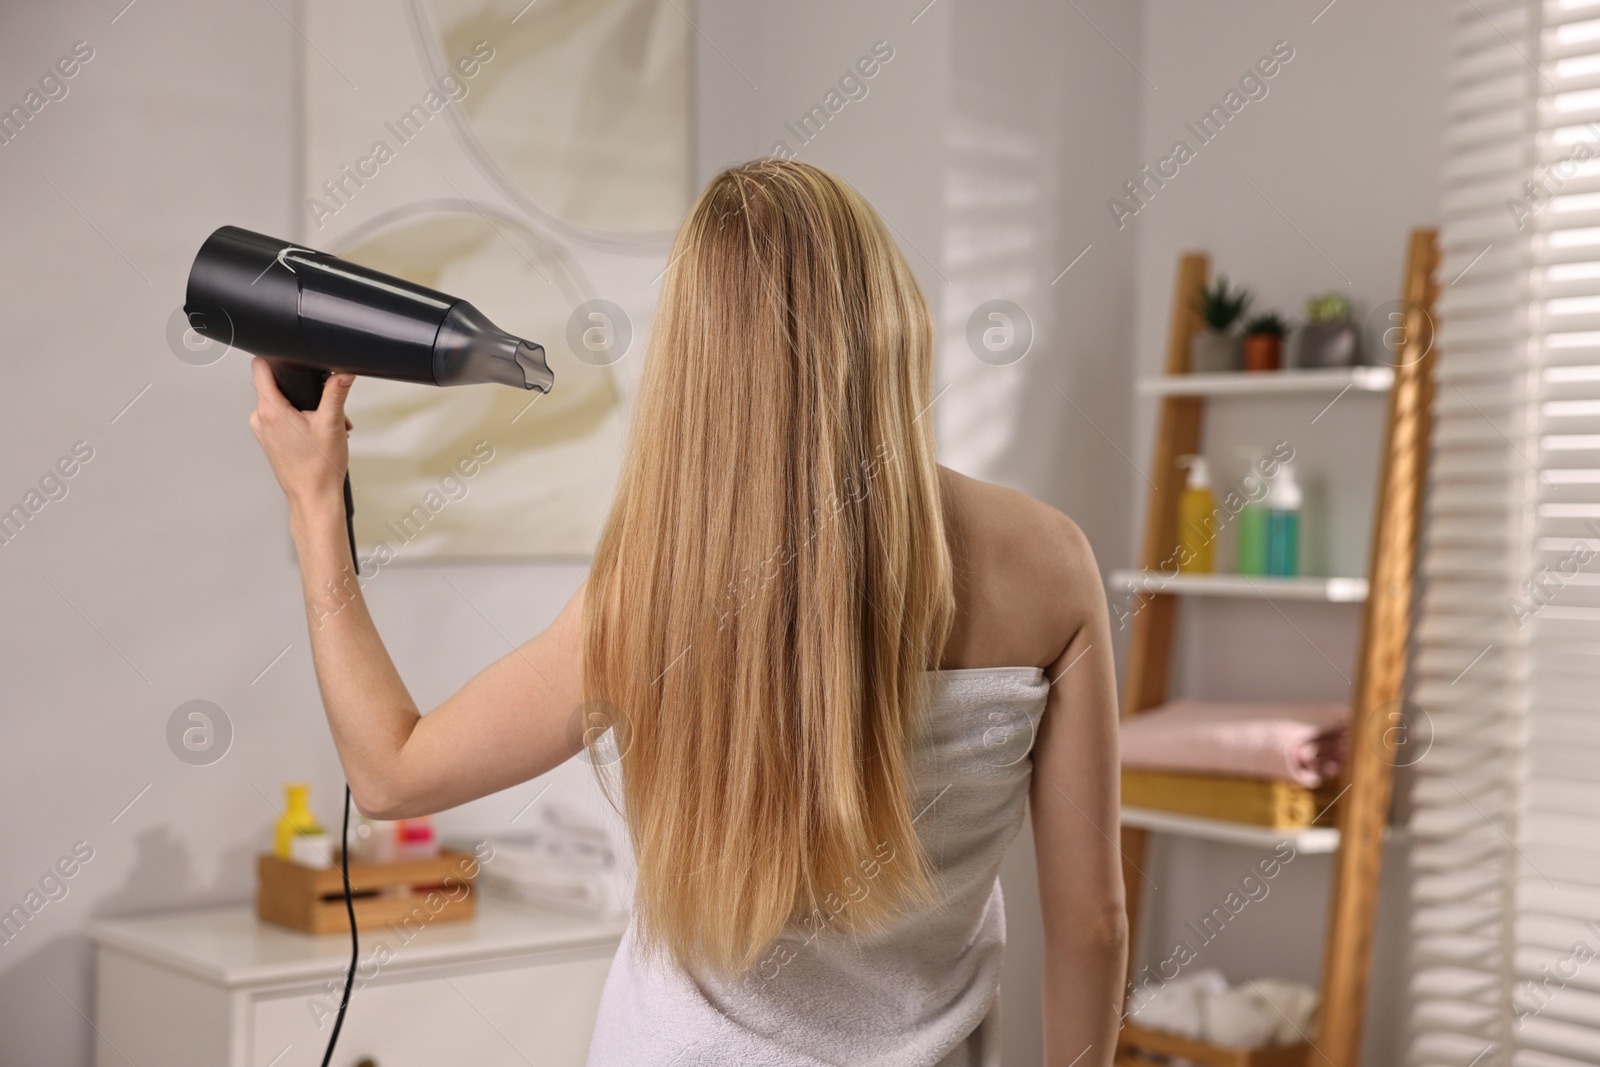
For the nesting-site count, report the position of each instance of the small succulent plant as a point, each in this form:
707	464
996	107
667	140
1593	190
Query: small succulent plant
1221	306
1329	307
1269	322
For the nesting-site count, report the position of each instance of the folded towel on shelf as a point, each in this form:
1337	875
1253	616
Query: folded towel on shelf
1175	1007
600	893
1260	1012
1239	1018
1301	743
566	861
1293	1003
1253	1014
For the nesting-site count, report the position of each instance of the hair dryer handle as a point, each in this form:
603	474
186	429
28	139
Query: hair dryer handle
299	384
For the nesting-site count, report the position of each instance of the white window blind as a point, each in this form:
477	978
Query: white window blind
1505	805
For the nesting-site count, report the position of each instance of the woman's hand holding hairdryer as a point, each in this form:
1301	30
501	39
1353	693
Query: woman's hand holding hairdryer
309	450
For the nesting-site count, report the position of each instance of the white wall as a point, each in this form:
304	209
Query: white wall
1344	155
166	573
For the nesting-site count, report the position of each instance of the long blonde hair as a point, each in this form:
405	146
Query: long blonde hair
773	581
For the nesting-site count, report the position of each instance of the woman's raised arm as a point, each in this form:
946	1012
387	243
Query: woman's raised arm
508	724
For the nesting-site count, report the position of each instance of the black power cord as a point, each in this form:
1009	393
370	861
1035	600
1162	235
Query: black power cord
344	834
355	944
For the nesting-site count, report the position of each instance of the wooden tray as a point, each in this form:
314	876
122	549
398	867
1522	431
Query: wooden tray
1138	1047
1258	801
411	893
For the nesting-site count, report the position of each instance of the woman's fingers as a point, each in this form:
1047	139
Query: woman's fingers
307	449
270	399
271	405
330	409
268	395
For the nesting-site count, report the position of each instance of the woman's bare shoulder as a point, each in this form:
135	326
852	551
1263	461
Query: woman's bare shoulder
1026	577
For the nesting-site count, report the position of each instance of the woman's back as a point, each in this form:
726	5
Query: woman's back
923	990
1019	568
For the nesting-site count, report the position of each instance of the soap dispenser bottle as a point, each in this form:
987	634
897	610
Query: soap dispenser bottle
1252	522
1196	518
1283	524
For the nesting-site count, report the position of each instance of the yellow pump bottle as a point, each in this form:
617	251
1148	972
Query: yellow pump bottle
1197	507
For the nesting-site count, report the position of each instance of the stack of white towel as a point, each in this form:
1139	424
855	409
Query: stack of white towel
567	861
1253	1014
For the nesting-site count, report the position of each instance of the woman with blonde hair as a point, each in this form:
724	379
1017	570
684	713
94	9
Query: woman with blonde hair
837	673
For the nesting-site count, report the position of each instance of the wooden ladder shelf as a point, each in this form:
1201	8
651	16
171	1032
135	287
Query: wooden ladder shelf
1361	812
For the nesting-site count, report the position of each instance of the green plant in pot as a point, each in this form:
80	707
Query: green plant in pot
1216	347
1329	338
1263	341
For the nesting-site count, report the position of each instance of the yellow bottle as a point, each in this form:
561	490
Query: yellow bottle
296	821
1197	532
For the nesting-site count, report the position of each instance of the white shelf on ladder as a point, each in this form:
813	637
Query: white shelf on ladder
1308	839
1270	383
1329	590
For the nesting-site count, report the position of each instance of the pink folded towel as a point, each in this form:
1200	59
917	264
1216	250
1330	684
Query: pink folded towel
1302	743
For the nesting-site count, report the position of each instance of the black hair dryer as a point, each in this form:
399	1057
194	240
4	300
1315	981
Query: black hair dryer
310	315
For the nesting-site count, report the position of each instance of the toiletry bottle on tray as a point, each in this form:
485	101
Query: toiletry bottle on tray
298	836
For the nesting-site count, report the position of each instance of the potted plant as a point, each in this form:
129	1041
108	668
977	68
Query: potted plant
1263	341
1216	347
1329	338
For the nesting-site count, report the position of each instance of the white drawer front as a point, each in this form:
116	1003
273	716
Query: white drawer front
540	1014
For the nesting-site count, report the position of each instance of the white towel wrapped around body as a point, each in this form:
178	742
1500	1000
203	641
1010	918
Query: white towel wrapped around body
923	991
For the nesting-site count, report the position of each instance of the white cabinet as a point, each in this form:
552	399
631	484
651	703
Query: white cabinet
516	985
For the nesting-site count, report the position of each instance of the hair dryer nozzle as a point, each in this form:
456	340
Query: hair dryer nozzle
471	349
535	369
